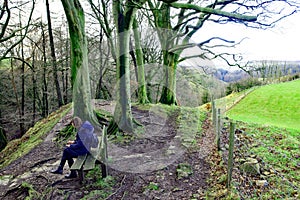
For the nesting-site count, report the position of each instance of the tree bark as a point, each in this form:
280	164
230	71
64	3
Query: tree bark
67	70
3	139
34	88
167	39
142	90
45	104
168	95
99	88
22	117
79	60
123	18
53	56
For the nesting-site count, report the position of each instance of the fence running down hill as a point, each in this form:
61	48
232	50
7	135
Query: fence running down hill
250	175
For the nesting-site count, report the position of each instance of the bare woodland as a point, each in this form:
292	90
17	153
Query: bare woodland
123	50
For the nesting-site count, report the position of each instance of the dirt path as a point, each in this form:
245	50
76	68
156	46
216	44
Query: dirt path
153	159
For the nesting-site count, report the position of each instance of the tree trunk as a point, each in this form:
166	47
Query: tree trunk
99	93
34	88
142	91
3	139
55	75
63	67
167	39
22	117
67	70
45	104
79	60
168	95
132	54
123	119
123	21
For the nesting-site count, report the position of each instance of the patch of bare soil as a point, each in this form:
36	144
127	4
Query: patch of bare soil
145	168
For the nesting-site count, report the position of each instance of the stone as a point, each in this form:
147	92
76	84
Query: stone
266	173
4	180
251	160
261	183
226	146
251	166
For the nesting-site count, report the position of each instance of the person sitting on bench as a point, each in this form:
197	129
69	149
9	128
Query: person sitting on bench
85	139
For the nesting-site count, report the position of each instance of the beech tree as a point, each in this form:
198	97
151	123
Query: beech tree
123	18
101	14
80	78
142	91
176	22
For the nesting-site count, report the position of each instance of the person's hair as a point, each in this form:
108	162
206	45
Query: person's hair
77	121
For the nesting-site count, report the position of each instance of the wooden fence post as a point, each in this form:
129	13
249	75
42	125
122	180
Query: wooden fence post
218	129
230	154
214	117
103	152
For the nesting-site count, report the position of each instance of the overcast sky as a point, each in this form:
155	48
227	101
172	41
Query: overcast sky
279	43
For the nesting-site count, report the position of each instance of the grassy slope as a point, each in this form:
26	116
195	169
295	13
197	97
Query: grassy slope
270	116
33	137
277	104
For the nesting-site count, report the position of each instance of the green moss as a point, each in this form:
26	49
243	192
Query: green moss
152	186
184	170
33	137
102	187
32	193
103	114
65	134
4	63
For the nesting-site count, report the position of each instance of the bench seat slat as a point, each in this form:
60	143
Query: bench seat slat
79	162
89	162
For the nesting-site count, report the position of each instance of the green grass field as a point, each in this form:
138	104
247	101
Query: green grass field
276	105
270	116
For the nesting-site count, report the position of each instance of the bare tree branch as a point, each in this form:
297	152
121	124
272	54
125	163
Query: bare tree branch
22	35
217	12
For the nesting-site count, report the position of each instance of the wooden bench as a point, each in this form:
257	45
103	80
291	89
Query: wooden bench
88	161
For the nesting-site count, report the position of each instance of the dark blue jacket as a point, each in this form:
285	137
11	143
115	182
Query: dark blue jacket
85	139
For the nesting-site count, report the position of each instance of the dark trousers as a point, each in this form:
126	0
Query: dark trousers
68	155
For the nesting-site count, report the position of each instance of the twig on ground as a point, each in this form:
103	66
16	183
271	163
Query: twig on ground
117	189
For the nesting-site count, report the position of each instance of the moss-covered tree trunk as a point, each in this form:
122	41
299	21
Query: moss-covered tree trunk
142	91
167	39
168	95
124	13
79	60
123	21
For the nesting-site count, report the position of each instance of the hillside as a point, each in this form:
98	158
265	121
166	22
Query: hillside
276	104
267	120
172	159
259	69
172	156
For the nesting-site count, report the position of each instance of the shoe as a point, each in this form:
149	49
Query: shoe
57	171
73	174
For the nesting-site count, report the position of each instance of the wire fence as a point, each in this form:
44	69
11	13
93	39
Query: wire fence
252	177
